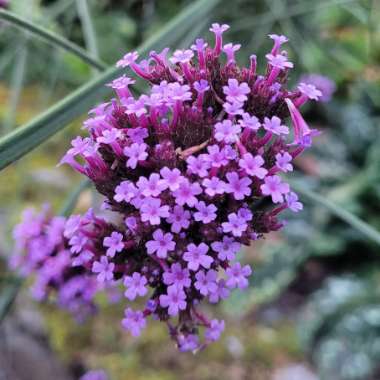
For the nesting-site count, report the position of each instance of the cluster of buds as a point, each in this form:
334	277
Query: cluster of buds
43	251
192	167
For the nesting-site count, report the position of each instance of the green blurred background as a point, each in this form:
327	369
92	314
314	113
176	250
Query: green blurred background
313	308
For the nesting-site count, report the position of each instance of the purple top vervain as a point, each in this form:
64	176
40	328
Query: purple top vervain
183	165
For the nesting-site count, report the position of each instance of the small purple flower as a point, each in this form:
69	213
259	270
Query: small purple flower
230	50
172	177
174	300
77	242
136	286
274	125
126	191
236	92
97	374
219	29
245	214
221	293
72	225
179	218
302	133
79	146
226	249
151	187
186	193
128	59
121	83
114	243
109	136
205	213
235	225
250	122
104	269
181	56
152	211
215	330
322	83
216	157
131	223
238	187
188	342
134	321
199	45
83	258
177	276
161	244
214	186
179	92
196	256
278	41
253	165
279	61
206	282
137	135
134	107
233	109
237	276
274	187
283	162
292	202
201	86
135	153
198	165
226	131
310	91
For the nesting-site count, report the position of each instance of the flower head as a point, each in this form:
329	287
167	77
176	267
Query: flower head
189	171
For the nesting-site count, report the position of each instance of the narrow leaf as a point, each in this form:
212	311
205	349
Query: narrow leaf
72	198
21	141
341	213
8	296
52	38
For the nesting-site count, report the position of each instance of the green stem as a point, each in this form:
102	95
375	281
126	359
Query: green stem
52	39
72	199
17	80
88	28
341	213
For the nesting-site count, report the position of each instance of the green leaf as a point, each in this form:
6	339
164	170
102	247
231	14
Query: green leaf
72	199
341	213
8	296
52	38
21	141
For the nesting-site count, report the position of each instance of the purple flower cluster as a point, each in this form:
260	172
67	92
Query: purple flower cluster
193	168
43	251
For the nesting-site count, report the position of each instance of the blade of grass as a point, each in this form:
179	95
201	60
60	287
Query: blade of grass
72	198
52	38
8	296
340	212
17	80
87	28
21	141
295	10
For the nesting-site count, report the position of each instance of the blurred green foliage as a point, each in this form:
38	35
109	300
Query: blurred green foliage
315	292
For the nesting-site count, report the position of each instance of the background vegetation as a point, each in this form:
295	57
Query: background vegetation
313	307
